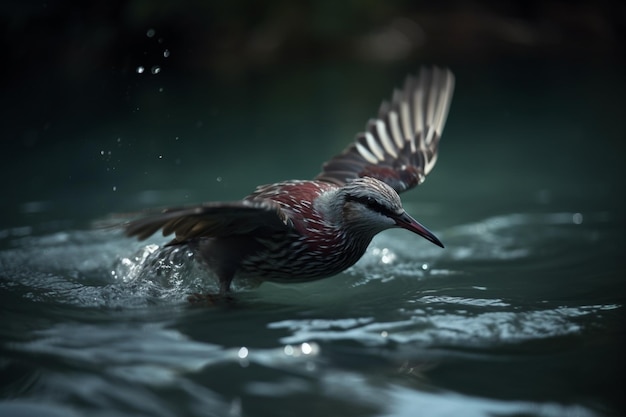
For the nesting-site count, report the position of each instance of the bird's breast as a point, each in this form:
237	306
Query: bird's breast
302	257
314	248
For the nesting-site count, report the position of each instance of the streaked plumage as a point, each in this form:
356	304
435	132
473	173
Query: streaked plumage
304	230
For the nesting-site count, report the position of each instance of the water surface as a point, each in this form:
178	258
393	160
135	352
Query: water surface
520	315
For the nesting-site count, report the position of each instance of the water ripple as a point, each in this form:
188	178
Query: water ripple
437	327
96	268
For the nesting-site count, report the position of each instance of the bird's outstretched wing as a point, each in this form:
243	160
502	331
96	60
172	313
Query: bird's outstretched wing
212	220
400	146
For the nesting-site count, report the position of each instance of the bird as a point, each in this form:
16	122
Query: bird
304	230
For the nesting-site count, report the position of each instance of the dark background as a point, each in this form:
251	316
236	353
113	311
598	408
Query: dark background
77	111
234	94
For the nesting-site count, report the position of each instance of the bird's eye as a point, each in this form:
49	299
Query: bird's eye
374	205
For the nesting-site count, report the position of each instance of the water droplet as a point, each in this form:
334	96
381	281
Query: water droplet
218	179
150	33
384	333
166	53
243	353
306	348
140	69
155	70
160	156
119	140
424	267
101	152
388	256
577	218
288	350
160	89
114	188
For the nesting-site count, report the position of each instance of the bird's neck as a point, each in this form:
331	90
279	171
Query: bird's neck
331	207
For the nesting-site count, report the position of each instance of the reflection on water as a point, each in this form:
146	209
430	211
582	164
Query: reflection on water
100	322
428	326
121	365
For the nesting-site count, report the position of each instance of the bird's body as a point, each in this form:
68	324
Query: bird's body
310	241
302	230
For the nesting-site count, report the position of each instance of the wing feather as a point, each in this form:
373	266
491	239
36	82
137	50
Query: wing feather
400	146
212	220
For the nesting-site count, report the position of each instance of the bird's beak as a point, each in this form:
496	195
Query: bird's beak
409	223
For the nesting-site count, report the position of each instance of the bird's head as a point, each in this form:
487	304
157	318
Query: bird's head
369	206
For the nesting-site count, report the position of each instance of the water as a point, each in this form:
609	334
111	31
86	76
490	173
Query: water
522	314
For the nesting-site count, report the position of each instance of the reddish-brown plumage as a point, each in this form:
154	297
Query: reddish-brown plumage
302	230
296	198
313	248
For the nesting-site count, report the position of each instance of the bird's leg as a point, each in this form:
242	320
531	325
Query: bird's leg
214	299
225	277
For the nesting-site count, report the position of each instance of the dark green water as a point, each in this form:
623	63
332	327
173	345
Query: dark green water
521	315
